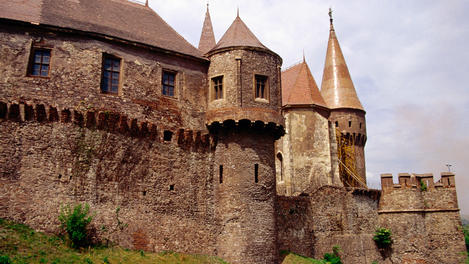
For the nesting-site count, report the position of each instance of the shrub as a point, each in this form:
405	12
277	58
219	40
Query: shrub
334	257
382	237
75	223
5	260
423	186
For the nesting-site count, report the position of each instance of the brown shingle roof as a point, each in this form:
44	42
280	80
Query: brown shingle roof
299	87
337	87
117	18
207	37
239	35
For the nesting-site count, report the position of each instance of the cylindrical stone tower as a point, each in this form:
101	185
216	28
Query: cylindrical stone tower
244	115
347	113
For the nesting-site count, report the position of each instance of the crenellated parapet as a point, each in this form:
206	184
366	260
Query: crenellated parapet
418	193
417	181
109	121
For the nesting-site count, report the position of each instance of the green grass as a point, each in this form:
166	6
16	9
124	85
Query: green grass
21	244
292	258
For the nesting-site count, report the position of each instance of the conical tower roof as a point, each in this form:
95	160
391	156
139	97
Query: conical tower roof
207	37
299	87
337	87
238	35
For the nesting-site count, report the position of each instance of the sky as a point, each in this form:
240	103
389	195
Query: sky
409	61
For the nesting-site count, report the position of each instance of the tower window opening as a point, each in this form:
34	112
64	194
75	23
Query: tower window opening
261	86
168	82
111	74
336	123
256	173
167	135
171	187
349	123
360	125
220	172
39	62
280	165
217	84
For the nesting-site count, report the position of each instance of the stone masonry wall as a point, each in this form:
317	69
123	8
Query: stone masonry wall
162	187
75	77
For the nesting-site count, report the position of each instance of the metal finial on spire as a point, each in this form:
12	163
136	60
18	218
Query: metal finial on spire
304	60
207	4
330	15
146	3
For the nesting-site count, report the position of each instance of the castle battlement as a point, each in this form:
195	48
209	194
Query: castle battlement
414	181
110	121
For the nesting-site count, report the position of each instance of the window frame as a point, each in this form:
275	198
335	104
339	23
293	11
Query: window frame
175	74
214	86
103	70
32	62
256	91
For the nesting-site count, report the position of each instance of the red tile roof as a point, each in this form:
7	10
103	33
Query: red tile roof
207	38
299	87
239	35
117	18
337	87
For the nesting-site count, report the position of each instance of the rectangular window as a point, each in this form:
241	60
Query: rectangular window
217	84
168	83
261	86
39	62
111	74
221	173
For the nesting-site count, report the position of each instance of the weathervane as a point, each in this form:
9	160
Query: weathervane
449	167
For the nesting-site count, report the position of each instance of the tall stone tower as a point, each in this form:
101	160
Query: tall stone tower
347	113
244	115
306	155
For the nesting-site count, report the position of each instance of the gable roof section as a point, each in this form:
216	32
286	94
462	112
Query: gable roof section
239	35
117	18
299	87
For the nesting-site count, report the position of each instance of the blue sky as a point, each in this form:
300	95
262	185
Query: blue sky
409	61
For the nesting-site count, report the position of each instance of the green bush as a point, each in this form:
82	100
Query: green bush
5	260
466	235
423	186
334	257
383	237
75	223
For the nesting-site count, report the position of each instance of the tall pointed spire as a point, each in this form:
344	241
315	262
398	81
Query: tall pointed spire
207	37
299	86
337	87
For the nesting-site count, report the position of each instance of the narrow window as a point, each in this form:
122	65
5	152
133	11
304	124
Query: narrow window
111	74
360	125
221	173
167	135
217	84
336	123
256	173
39	62
171	187
349	123
168	83
280	165
261	86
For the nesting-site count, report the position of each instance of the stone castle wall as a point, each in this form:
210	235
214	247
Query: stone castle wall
164	188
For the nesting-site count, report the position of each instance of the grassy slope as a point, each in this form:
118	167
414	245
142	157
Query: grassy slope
23	245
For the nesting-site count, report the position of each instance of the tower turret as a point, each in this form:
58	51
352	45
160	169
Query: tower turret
244	114
347	113
207	37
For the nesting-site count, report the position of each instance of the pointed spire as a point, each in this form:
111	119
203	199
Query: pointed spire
207	37
299	87
337	87
239	35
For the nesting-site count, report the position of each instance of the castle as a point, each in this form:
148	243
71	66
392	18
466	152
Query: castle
210	150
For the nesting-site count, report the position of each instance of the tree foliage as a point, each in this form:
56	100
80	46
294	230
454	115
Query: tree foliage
383	237
75	223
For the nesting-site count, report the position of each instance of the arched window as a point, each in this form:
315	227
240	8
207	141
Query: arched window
280	165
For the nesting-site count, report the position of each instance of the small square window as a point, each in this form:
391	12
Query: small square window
261	87
111	74
217	86
39	62
168	82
